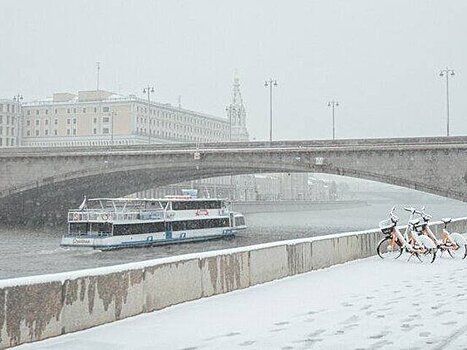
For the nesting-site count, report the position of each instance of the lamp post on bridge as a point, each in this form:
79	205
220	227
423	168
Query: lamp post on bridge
18	98
333	104
148	90
447	72
270	84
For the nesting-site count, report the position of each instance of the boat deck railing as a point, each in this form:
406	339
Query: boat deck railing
108	215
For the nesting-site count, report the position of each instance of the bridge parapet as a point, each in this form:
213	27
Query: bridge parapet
44	151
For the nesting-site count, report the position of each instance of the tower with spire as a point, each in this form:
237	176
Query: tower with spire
236	114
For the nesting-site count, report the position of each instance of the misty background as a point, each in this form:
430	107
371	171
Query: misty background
379	59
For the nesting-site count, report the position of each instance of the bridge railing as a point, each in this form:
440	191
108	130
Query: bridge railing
12	151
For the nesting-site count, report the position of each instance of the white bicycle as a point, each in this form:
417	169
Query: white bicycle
453	243
412	241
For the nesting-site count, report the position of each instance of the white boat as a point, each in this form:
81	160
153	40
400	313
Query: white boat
109	223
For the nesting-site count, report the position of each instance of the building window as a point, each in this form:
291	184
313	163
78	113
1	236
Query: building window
68	121
46	111
28	122
37	122
94	131
56	110
68	110
105	109
74	110
46	122
46	132
84	110
37	112
56	121
68	131
105	130
55	132
95	120
95	110
74	120
74	131
105	119
37	132
28	133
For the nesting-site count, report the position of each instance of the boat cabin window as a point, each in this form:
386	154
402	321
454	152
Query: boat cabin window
192	205
239	221
101	227
79	228
134	229
199	224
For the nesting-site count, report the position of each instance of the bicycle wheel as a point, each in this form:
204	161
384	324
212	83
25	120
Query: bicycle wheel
429	255
387	249
459	253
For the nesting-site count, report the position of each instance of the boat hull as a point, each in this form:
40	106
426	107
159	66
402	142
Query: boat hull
147	240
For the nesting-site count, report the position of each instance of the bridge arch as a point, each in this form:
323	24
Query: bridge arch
60	178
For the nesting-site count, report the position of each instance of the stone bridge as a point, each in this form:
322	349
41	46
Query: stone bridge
42	183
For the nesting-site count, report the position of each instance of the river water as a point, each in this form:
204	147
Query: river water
26	252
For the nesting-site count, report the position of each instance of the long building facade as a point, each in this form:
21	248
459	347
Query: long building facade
96	118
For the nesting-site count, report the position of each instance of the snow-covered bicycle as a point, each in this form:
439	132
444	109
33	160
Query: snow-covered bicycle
412	241
453	243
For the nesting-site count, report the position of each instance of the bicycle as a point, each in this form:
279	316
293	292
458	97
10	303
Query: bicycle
395	243
452	243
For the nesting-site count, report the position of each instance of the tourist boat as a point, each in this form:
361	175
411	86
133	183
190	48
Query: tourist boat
109	223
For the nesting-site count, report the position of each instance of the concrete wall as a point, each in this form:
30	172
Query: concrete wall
40	307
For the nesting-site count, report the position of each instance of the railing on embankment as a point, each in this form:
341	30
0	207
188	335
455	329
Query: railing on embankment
39	307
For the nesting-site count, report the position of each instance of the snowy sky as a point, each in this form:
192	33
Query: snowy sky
380	59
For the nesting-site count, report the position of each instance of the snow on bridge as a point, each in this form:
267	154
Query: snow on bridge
365	304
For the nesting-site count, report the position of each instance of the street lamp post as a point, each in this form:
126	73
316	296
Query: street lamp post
98	68
447	72
18	98
333	104
270	83
148	90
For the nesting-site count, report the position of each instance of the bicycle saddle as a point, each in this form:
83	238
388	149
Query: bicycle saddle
414	222
446	220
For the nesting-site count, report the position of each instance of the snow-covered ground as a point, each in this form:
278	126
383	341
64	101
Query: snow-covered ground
365	304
